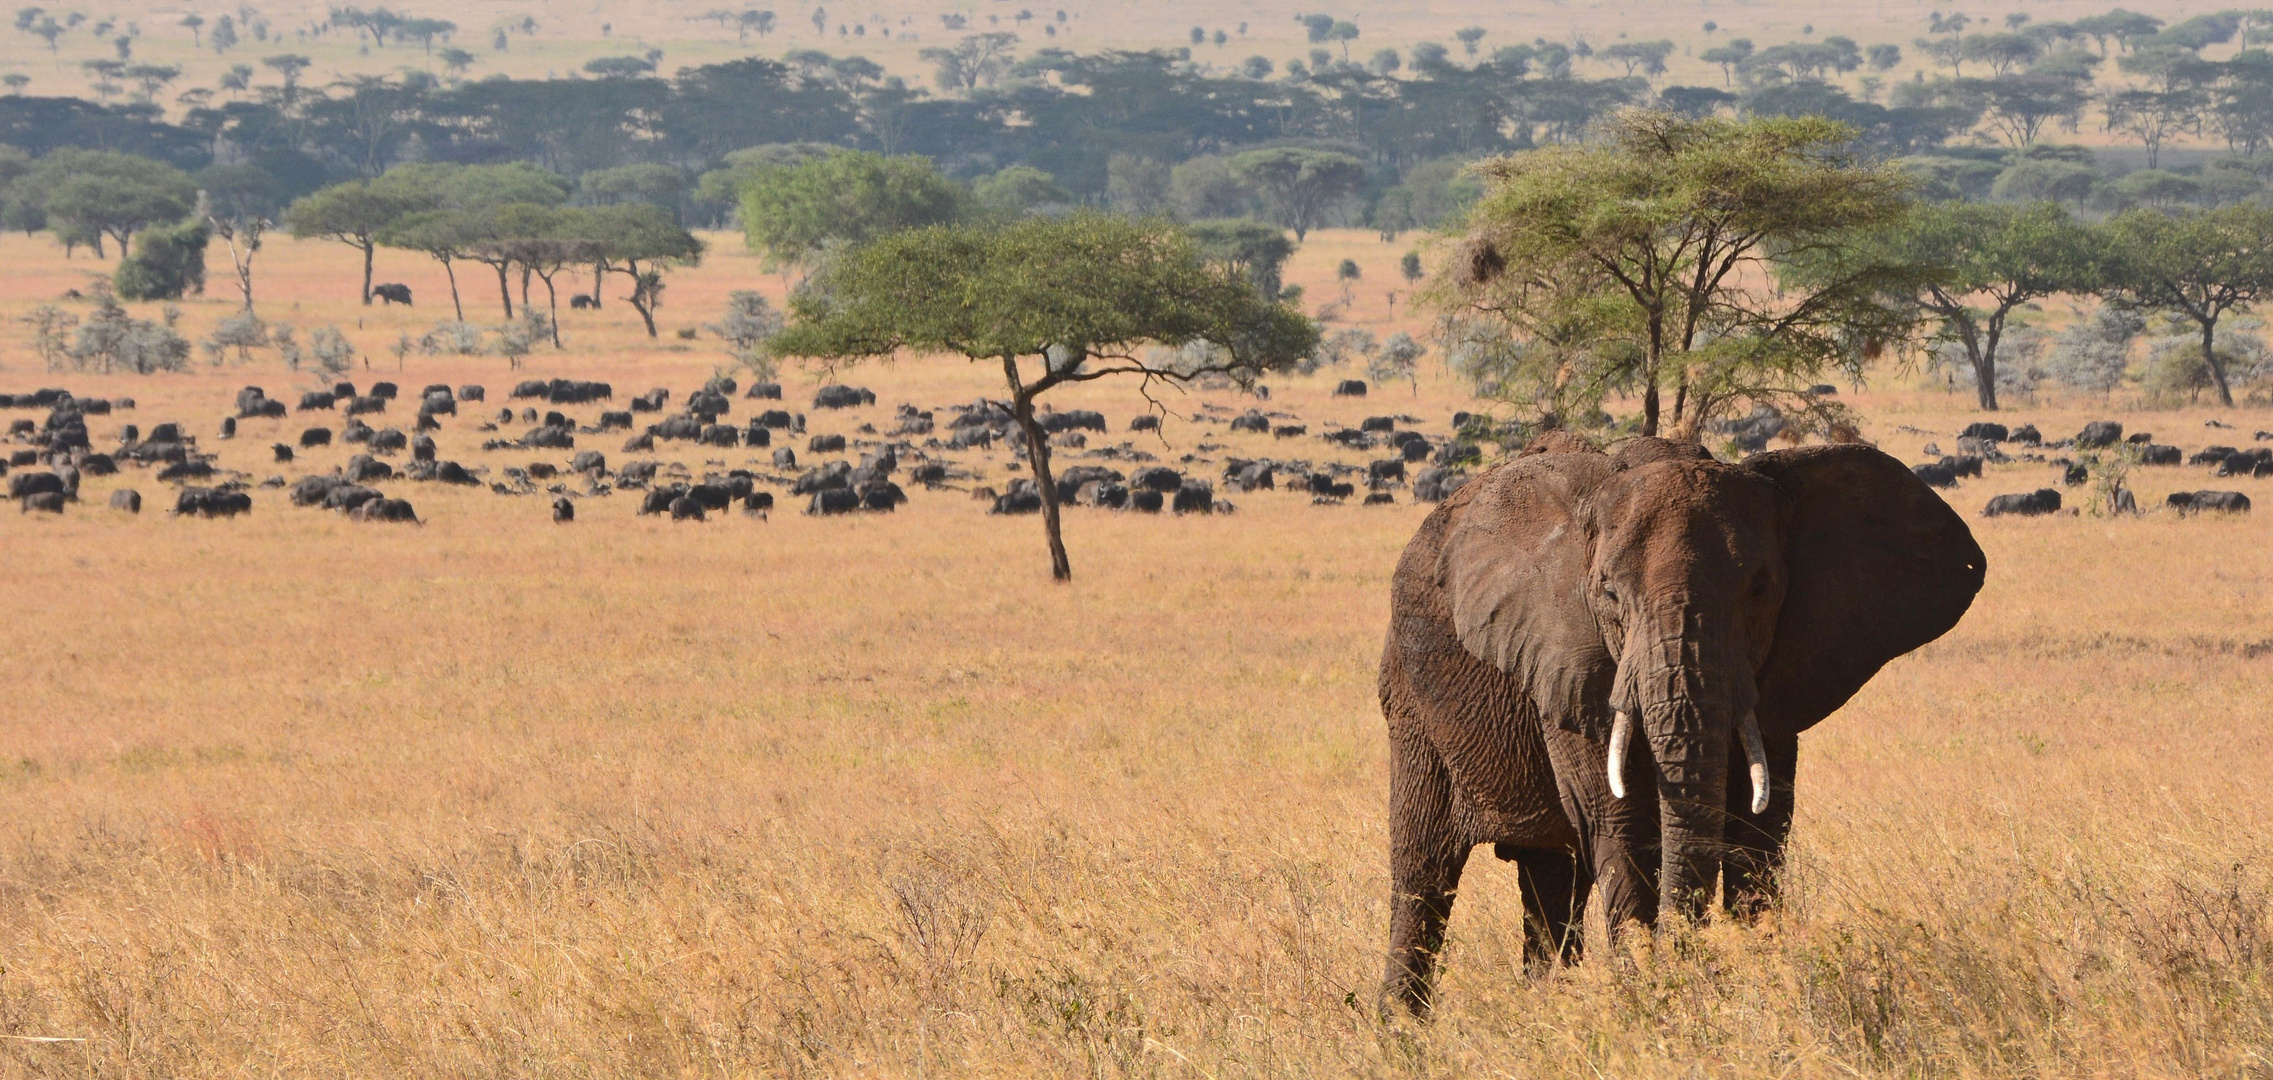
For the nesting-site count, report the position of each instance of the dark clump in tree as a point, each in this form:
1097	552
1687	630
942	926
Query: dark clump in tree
1054	301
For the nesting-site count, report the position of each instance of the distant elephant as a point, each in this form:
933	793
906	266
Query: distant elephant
392	294
1584	647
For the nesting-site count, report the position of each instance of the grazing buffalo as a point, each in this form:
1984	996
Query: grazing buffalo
1936	474
835	501
317	399
126	499
385	509
2099	433
392	293
46	501
2195	502
581	302
1350	388
843	397
2035	503
563	510
283	453
685	508
1436	484
1147	422
1251	420
315	436
212	502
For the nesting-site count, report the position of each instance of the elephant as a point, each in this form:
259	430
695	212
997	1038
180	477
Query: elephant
1584	647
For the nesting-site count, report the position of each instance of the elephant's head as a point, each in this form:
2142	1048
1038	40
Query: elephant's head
1655	593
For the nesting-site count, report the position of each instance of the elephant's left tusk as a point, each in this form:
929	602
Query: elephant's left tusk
1621	736
1756	753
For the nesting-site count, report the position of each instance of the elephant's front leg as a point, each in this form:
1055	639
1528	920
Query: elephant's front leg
1427	852
1555	883
1618	838
1756	842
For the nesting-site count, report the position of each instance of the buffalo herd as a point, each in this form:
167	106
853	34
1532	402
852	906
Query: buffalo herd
871	461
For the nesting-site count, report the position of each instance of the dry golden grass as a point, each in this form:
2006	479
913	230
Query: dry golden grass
293	796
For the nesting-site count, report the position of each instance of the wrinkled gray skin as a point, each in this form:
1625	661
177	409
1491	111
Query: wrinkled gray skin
1560	589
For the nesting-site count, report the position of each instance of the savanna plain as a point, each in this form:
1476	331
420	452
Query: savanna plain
291	795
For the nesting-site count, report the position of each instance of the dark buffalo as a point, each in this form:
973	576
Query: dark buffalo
392	293
385	510
2196	502
563	510
126	499
1350	388
2035	503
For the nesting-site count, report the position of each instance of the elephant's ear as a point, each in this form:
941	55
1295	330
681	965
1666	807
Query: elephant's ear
1514	570
1878	565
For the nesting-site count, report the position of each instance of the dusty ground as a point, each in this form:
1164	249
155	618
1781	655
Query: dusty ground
867	796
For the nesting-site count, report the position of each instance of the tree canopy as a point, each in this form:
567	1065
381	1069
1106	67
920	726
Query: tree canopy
1054	301
1659	260
791	212
2198	267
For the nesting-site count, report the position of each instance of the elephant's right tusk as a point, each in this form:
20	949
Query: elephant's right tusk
1621	735
1755	756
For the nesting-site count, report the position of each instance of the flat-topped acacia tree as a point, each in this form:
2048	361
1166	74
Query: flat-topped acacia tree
1054	301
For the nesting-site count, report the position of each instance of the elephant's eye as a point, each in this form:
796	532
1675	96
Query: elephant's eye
1609	593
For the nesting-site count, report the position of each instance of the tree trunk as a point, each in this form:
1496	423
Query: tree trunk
1984	356
2217	369
455	303
1649	409
599	276
552	300
1038	456
367	250
505	290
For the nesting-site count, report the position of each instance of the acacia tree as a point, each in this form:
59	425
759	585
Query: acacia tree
94	193
1300	185
791	212
1662	257
1975	263
354	213
1054	301
640	241
2198	267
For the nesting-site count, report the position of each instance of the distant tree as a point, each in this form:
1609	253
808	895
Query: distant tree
455	61
1054	301
98	193
972	62
1018	189
790	213
620	67
1883	57
1410	267
642	242
224	34
1319	28
168	262
2002	52
1977	263
2197	267
356	213
1648	57
1468	36
2153	116
1248	249
195	23
1203	187
1665	258
1301	186
1730	57
648	182
1136	184
1256	67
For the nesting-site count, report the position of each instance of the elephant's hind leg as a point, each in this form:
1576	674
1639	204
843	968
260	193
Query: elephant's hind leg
1427	851
1555	883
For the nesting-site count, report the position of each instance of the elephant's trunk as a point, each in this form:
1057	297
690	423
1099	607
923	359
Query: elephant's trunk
1691	696
1692	792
